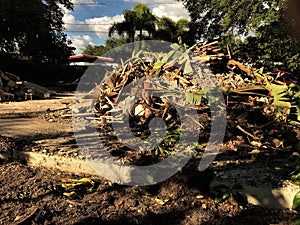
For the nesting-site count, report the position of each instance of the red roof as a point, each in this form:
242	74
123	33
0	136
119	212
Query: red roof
88	58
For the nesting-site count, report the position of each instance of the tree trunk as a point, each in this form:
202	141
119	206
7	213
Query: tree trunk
141	33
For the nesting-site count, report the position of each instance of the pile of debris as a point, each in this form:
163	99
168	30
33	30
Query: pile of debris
193	71
188	70
190	74
13	89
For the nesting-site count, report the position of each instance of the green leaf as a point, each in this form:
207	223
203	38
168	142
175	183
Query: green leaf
296	202
175	46
298	111
189	97
179	40
160	151
69	194
221	198
296	177
183	58
83	183
205	90
297	221
188	68
158	65
166	57
296	182
261	70
280	95
133	54
194	98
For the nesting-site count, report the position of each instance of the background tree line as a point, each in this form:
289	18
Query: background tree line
260	32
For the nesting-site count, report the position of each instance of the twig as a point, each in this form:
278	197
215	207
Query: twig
109	101
246	132
78	115
73	203
229	52
209	44
54	110
27	218
267	124
197	122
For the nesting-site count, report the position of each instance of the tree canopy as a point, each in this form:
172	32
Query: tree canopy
99	50
211	19
169	30
34	29
138	19
264	24
141	19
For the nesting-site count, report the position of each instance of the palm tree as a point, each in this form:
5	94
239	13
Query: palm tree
127	26
169	30
145	20
138	19
166	29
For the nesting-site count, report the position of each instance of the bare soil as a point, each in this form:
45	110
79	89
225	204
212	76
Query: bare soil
32	195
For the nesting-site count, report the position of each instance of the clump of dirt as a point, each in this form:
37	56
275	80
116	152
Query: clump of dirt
8	144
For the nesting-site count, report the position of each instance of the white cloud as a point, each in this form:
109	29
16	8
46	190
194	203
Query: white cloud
73	25
98	25
169	8
101	25
80	42
68	18
174	11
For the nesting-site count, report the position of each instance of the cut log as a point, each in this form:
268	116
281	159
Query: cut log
9	76
245	69
12	76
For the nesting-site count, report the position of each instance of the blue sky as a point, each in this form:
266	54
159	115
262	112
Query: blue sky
90	20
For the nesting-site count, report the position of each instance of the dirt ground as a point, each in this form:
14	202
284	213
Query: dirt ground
37	195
